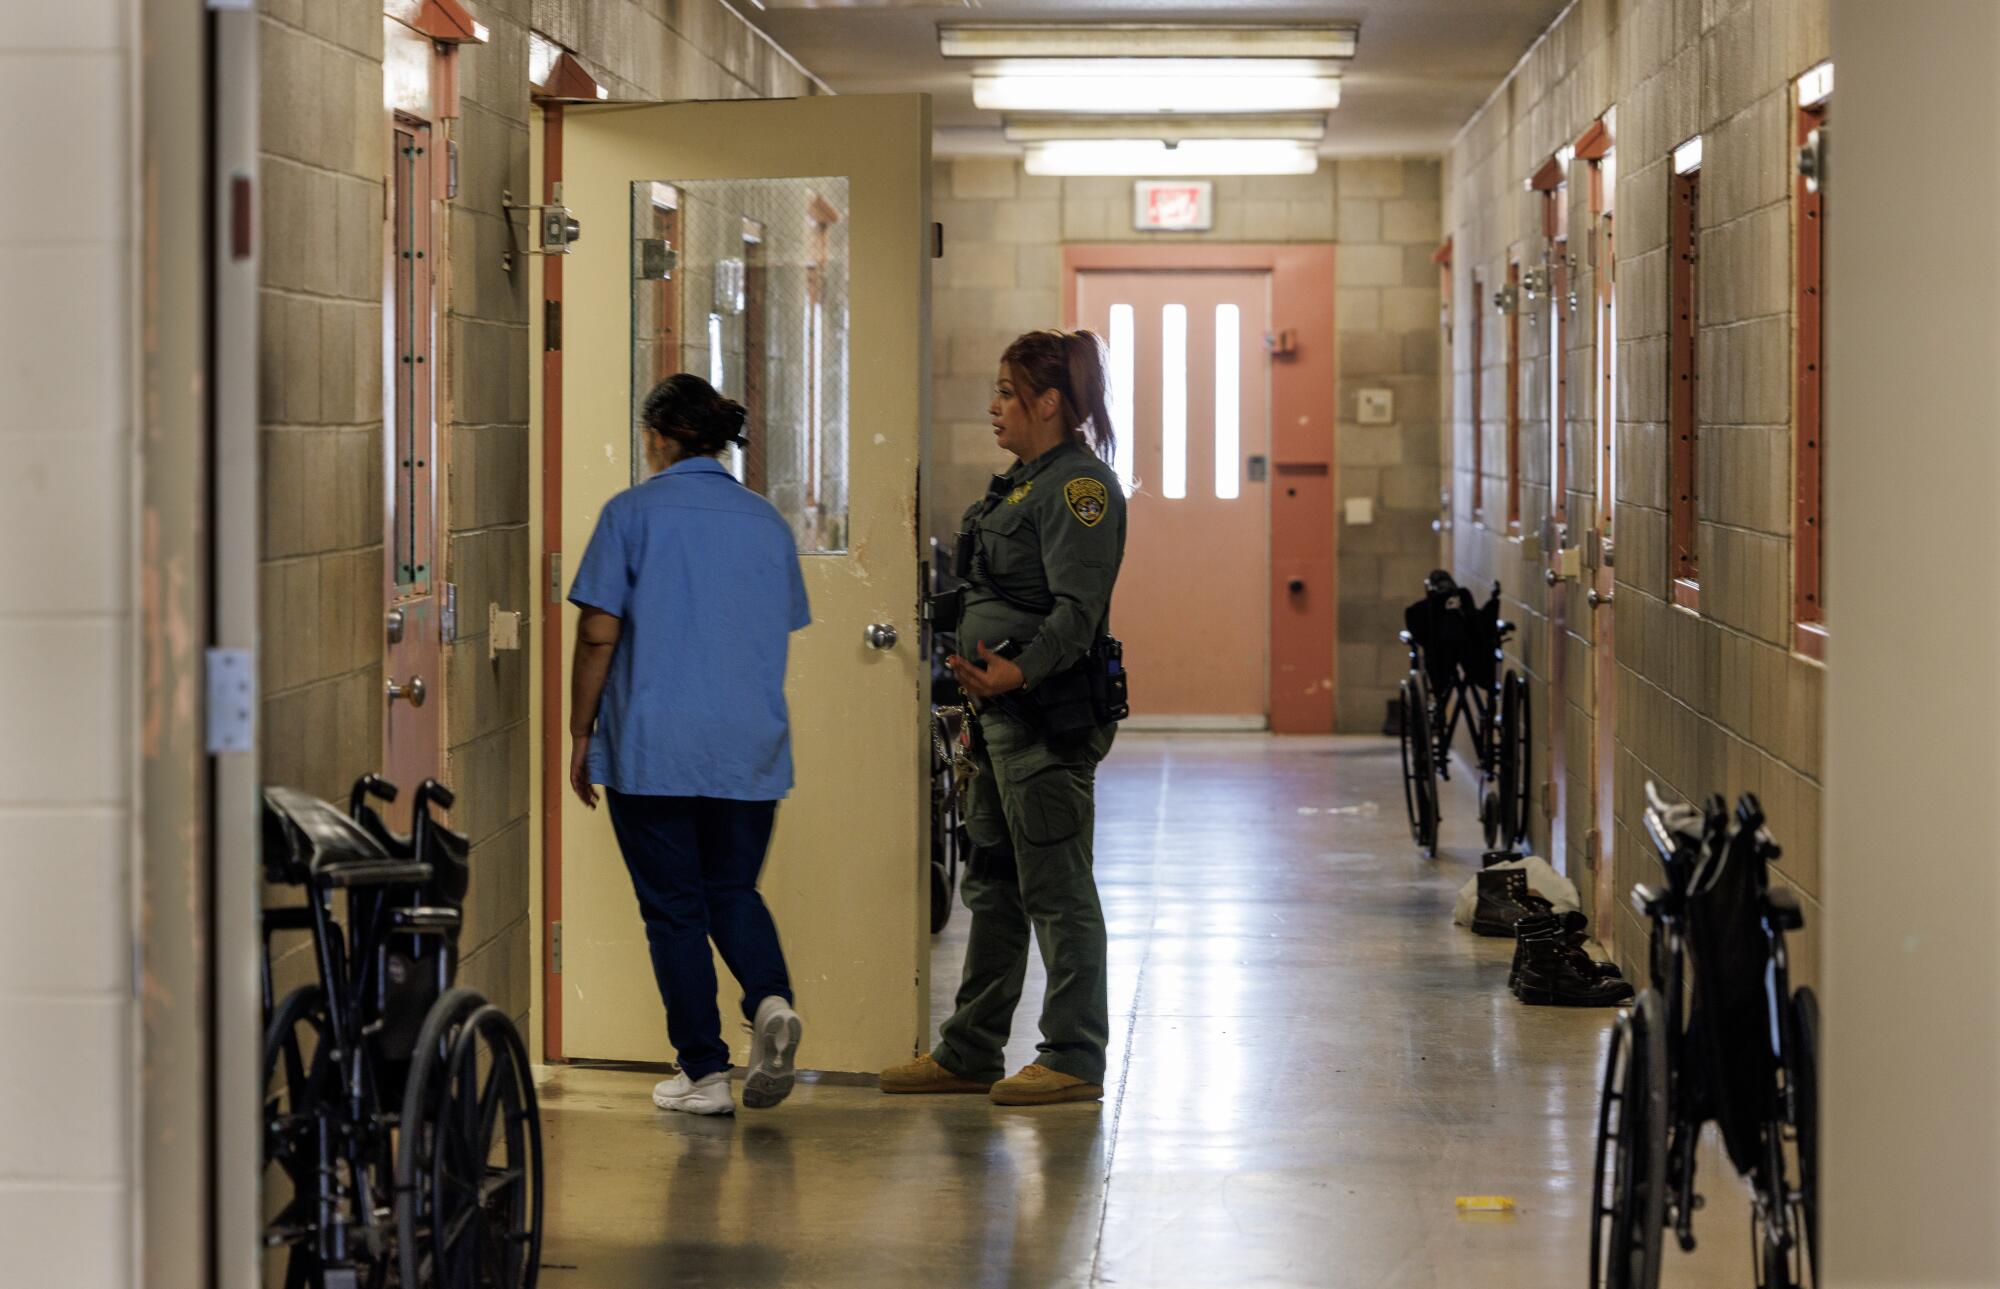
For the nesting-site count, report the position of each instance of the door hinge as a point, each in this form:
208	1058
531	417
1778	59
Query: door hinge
552	325
555	947
232	701
555	577
1592	842
1549	799
448	615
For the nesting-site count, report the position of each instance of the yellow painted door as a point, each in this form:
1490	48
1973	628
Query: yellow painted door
779	249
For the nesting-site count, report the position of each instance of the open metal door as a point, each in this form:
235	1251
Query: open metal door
781	250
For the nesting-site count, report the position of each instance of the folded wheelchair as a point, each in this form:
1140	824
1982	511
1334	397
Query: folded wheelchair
402	1143
1457	678
951	766
1719	1035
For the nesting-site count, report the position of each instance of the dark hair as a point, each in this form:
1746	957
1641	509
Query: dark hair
1072	364
686	409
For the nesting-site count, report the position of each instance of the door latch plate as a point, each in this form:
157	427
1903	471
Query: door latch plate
232	701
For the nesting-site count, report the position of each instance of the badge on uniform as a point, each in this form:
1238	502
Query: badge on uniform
1020	494
1088	500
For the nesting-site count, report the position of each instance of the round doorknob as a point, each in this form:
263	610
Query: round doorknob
1596	600
412	693
880	635
1551	576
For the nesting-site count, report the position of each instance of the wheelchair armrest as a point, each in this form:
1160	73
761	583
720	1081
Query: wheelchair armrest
1781	907
371	872
424	918
288	917
1404	636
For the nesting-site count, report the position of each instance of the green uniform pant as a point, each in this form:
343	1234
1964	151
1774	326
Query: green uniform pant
1030	818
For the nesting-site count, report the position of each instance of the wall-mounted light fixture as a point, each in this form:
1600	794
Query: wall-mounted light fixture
1687	157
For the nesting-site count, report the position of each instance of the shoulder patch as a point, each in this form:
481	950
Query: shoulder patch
1020	494
1088	500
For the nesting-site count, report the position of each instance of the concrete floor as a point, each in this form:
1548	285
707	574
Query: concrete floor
1308	1063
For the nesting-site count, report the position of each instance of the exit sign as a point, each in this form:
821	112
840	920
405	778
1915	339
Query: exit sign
1173	205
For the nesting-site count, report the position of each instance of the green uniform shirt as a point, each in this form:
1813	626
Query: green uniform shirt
1052	541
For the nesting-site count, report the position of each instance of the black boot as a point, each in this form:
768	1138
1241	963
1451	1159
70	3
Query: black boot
1503	901
1567	930
1551	976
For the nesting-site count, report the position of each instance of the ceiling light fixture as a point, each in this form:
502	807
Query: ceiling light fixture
1145	85
1309	127
1141	157
1143	40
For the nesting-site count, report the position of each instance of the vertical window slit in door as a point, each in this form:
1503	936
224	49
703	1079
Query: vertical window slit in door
1122	364
1173	401
1228	481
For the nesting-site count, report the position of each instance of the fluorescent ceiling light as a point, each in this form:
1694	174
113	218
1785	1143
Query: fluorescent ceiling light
1138	40
1151	157
1182	68
1152	85
1687	157
1309	127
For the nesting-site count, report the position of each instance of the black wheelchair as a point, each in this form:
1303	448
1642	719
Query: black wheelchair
1745	1055
951	767
1457	677
402	1142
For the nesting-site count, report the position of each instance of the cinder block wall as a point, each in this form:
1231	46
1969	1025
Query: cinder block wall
1002	275
68	1061
1713	701
324	160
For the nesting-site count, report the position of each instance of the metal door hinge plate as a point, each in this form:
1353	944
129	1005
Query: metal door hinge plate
555	947
555	577
552	325
232	701
448	615
1549	799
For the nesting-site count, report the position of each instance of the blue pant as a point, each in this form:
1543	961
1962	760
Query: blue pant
694	864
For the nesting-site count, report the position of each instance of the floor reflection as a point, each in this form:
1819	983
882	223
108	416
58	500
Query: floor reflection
1308	1064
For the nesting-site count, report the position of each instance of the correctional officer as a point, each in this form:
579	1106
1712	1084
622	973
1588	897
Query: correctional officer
690	590
1045	545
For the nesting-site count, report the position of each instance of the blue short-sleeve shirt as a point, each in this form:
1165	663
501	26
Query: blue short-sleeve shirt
704	577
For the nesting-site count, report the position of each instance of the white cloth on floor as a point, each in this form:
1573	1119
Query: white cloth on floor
1542	880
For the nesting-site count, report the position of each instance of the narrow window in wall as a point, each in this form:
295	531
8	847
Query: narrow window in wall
820	219
1552	182
1173	401
412	272
1815	91
1514	398
1228	380
1683	319
1476	346
1124	355
756	356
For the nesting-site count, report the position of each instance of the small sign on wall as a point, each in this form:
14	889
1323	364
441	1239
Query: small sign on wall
1173	206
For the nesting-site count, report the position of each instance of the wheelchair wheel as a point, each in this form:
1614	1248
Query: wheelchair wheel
1628	1189
469	1170
1802	1075
301	1083
1419	771
1515	758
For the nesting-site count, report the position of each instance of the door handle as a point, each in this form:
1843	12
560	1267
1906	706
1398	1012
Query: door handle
412	693
395	626
880	635
1551	576
1598	601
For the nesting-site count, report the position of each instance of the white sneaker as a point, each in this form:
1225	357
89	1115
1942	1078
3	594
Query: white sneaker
706	1096
774	1042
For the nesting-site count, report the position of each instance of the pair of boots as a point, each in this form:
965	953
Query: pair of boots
1553	969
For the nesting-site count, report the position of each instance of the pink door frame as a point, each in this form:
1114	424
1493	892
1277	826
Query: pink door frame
1303	415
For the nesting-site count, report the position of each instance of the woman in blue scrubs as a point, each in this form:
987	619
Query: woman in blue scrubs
689	591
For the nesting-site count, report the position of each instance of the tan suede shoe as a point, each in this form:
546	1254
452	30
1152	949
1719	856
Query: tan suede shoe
1039	1085
925	1075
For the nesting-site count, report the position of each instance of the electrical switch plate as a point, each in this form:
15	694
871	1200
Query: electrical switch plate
503	631
1376	407
1572	562
1360	510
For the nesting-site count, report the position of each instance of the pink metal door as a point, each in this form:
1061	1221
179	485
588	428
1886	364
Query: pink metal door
1191	396
413	671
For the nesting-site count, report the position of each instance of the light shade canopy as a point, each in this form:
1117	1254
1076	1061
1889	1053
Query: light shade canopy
1147	85
1146	40
1141	157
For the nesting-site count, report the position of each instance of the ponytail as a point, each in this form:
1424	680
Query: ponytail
686	409
1073	364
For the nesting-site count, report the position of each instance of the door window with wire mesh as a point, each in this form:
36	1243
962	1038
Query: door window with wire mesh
744	282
